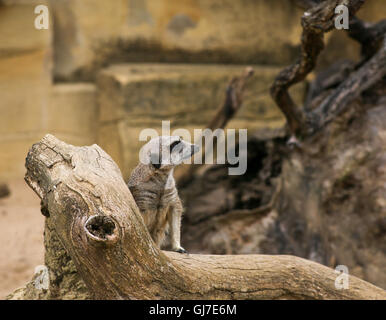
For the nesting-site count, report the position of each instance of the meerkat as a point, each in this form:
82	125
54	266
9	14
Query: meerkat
154	190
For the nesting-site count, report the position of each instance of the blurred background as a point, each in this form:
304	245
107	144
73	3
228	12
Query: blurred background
105	70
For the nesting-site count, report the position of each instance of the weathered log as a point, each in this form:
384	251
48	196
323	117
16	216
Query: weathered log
98	223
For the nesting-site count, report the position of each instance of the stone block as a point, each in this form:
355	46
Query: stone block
133	97
25	83
94	32
73	111
17	29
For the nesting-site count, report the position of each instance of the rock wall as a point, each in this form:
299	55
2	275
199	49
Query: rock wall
245	31
86	35
133	97
25	75
31	104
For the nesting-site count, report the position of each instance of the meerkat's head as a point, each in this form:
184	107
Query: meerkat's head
165	152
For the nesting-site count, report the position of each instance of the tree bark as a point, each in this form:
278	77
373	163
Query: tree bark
349	90
98	223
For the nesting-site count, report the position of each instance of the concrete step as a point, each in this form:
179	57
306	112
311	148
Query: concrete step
132	97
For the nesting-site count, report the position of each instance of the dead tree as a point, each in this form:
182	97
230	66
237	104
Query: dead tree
316	21
90	210
321	195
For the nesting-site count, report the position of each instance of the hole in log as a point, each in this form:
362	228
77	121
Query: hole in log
101	228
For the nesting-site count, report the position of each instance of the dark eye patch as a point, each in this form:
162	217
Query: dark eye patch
175	143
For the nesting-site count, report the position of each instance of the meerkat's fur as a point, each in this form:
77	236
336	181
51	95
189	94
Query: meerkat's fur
153	187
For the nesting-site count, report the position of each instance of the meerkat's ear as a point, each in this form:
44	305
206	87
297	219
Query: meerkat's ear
155	160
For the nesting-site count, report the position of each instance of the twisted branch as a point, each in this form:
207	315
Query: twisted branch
316	21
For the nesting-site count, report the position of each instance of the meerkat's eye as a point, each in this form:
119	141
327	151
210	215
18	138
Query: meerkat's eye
175	143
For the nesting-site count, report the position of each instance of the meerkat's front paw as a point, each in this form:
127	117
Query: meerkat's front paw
180	250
